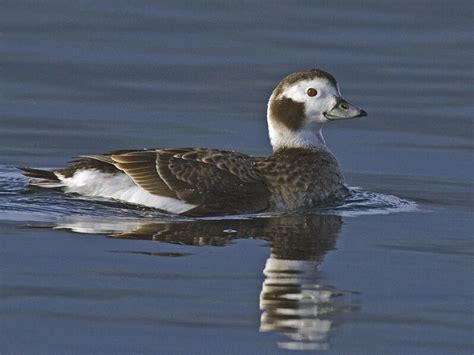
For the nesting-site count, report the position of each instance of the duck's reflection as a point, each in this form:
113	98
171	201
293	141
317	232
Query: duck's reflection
295	300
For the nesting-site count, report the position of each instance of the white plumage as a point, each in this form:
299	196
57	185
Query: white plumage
94	183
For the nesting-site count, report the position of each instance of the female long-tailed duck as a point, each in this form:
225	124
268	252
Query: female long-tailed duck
300	173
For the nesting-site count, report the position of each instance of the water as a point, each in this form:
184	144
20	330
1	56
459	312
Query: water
389	271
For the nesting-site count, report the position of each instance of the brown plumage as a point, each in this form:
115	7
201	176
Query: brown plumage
218	182
301	172
302	178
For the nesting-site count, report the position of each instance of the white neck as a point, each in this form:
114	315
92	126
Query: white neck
309	136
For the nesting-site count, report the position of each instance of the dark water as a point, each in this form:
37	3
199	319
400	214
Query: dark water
388	272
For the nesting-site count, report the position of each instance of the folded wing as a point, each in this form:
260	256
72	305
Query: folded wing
217	182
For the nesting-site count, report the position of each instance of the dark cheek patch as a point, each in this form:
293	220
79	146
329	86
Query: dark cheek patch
288	112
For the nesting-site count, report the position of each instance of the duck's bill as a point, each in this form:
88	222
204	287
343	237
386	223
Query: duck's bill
344	110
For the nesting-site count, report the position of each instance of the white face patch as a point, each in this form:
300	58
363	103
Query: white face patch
316	105
309	135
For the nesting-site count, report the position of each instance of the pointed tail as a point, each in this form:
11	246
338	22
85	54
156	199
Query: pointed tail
39	174
49	178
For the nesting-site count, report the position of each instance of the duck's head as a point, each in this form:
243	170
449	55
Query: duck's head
299	106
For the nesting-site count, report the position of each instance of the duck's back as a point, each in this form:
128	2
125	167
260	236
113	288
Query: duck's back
302	178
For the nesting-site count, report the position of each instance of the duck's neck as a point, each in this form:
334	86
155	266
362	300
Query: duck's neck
307	137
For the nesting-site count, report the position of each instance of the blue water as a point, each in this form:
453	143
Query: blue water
389	271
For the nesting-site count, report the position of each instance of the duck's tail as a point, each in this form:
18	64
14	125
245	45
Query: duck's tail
49	178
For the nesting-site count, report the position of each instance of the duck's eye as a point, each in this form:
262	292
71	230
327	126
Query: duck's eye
312	92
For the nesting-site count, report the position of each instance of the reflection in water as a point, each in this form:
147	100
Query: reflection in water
295	300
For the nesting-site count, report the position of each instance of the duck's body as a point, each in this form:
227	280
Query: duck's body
300	173
290	176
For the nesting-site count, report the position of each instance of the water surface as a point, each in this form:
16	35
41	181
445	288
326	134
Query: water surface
388	272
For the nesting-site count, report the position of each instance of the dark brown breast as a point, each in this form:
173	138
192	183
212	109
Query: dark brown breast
302	178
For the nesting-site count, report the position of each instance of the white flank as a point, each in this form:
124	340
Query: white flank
94	183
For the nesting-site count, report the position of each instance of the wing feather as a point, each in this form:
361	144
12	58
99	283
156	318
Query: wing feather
141	167
218	182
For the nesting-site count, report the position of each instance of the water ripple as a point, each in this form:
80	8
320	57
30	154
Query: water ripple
23	203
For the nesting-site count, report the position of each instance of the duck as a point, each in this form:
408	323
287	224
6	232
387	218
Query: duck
300	173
